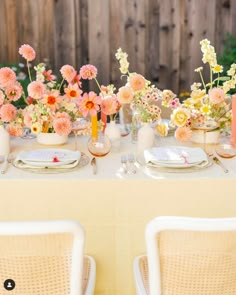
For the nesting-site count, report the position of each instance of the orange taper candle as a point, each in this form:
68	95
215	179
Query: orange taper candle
94	122
233	126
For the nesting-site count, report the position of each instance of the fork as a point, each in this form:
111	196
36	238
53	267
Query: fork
123	160
131	161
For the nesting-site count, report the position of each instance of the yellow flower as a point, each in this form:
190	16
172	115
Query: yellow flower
205	109
36	128
217	69
187	103
162	129
180	117
197	95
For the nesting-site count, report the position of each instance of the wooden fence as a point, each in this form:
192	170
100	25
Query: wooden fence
161	36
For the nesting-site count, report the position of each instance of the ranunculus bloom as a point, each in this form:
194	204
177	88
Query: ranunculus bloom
7	112
89	104
15	130
1	98
125	95
109	105
68	73
216	95
7	77
62	126
36	90
180	117
72	91
27	52
183	134
137	82
88	72
14	91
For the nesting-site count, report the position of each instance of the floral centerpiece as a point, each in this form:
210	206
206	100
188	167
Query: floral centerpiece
207	103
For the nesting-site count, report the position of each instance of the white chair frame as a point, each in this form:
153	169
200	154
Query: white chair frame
159	224
49	227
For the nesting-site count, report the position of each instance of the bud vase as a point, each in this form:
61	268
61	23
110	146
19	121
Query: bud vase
112	131
4	141
146	138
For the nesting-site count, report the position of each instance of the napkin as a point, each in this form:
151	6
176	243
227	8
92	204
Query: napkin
175	156
47	158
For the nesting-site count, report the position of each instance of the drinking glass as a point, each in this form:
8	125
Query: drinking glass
80	126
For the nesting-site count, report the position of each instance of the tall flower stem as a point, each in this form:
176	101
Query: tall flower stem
203	83
29	71
218	79
211	76
98	84
61	84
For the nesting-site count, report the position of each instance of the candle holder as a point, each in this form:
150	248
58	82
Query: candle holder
99	146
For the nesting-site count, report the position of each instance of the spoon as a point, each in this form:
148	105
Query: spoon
226	151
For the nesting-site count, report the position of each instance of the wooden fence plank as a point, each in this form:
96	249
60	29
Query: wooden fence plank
3	34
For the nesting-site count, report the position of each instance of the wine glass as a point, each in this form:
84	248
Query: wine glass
99	146
27	134
80	126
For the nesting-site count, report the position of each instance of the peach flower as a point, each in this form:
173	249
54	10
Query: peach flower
62	115
88	72
51	99
89	103
125	95
216	95
109	105
7	112
36	90
68	73
183	134
14	91
7	77
27	120
48	75
72	91
1	97
137	82
27	52
15	130
62	126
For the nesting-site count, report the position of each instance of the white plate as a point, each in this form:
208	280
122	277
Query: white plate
48	157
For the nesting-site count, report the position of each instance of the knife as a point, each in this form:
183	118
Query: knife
94	165
218	162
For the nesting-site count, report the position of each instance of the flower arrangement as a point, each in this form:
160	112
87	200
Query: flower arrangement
207	101
138	92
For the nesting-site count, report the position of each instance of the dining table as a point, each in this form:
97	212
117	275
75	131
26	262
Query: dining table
114	207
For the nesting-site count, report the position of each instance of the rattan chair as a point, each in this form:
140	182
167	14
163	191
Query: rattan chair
45	258
188	256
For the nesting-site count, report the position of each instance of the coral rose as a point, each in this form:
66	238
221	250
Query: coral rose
62	126
183	134
88	72
137	82
109	105
1	98
7	77
14	91
216	95
15	130
68	73
27	52
125	95
36	90
7	112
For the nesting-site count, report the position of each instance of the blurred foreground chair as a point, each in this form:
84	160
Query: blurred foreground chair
188	256
44	258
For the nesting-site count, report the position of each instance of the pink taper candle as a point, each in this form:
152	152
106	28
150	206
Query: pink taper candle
233	130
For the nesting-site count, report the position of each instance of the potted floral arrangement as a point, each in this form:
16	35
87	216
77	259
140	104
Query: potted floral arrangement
208	105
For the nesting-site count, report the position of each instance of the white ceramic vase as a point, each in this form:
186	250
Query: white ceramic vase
51	138
4	141
146	138
212	137
112	131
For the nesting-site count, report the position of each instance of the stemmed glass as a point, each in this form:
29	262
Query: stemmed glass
27	134
80	126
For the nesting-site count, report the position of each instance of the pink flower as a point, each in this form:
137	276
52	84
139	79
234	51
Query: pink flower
36	89
109	105
14	91
1	97
7	77
15	130
48	75
76	80
51	99
137	82
68	73
62	115
62	126
89	103
125	95
216	95
183	134
73	91
7	112
27	52
88	72
27	120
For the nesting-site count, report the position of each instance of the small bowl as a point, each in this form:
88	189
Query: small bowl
226	151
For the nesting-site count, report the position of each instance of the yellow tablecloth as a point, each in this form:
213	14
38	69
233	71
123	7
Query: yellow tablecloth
114	208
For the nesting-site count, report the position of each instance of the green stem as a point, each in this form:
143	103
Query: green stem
61	85
203	83
218	79
98	85
29	71
211	76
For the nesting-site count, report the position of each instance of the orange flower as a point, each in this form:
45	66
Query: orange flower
183	134
137	82
68	73
27	52
36	89
7	77
72	91
125	95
